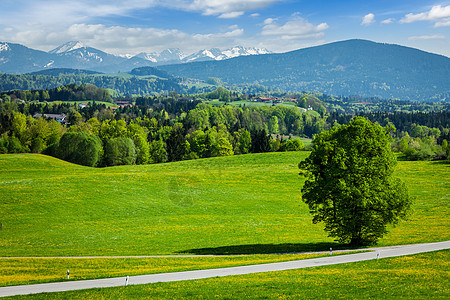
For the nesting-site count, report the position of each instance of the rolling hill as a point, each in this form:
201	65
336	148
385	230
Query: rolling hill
238	204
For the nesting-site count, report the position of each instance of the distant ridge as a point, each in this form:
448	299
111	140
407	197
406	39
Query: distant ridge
63	71
352	67
18	59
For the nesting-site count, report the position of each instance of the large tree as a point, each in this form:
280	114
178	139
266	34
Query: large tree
350	185
80	148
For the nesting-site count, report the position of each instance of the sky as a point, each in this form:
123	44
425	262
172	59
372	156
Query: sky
132	26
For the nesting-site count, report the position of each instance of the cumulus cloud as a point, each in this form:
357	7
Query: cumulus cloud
231	15
388	21
439	14
81	11
220	7
49	23
426	37
269	21
443	23
125	40
368	19
296	28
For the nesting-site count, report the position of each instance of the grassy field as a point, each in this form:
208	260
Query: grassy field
233	205
423	276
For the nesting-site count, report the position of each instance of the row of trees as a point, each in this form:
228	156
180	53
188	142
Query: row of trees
71	92
418	135
121	85
145	140
176	127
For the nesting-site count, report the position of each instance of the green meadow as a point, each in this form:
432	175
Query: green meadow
248	204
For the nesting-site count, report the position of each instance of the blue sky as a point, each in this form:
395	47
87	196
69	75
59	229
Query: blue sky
133	26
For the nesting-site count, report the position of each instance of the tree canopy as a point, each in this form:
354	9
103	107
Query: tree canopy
350	185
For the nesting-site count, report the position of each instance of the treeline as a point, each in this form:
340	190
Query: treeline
121	85
418	135
205	131
176	127
71	92
359	105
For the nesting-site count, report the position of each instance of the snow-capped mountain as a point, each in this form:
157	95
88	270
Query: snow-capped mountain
243	51
217	54
172	55
4	47
67	47
202	55
84	56
15	58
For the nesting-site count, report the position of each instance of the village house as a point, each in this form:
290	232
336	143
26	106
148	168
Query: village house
60	118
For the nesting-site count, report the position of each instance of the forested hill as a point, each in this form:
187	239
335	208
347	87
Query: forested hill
353	67
121	85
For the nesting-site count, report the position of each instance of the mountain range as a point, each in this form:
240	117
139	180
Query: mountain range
352	67
18	59
345	68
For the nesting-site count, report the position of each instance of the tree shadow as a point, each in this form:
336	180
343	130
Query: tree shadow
442	162
267	249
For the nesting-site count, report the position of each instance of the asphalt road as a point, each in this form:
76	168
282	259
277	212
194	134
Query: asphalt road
380	253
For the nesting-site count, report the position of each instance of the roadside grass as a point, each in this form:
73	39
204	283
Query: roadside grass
18	271
229	205
421	276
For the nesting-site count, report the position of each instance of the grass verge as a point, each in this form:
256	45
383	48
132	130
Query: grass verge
18	271
422	276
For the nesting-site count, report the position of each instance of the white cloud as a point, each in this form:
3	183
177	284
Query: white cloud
444	23
83	11
439	14
124	40
269	21
254	15
426	37
388	21
368	19
67	12
220	7
231	15
297	28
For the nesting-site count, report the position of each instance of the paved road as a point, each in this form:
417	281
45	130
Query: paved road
201	274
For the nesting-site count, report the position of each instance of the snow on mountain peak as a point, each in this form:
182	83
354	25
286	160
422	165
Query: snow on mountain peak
243	51
217	54
4	47
69	46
